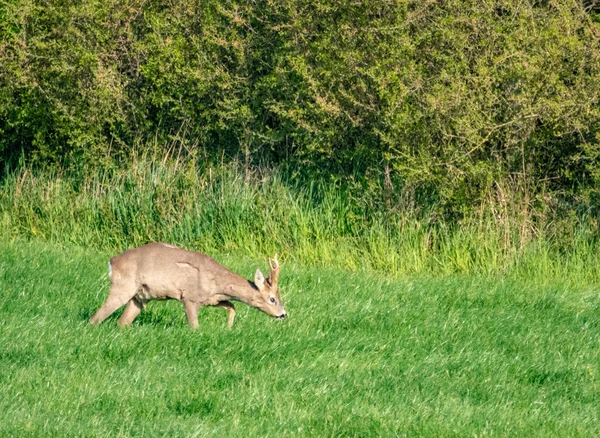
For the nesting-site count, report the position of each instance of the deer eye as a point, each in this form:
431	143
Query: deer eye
272	299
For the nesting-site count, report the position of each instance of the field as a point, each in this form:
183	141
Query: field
360	355
428	174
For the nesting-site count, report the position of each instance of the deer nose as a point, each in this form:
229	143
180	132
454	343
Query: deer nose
282	316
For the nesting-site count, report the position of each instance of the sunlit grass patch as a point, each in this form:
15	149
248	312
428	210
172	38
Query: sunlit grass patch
360	355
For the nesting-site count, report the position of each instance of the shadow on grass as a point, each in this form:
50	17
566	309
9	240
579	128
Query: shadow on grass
85	314
548	377
148	317
194	407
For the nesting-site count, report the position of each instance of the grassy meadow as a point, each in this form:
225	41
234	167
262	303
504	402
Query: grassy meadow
428	174
360	355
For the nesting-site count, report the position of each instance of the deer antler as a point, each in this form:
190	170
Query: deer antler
274	274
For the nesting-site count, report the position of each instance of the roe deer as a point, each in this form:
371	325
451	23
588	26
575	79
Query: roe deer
164	271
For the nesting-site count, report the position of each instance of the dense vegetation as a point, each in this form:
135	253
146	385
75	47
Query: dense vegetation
465	100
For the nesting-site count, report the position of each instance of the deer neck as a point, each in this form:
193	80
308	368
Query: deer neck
240	289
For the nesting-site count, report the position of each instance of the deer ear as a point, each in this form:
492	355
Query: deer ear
259	280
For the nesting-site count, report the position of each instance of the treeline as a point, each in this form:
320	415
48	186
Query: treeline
466	100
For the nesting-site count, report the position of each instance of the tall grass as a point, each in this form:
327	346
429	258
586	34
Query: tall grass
225	209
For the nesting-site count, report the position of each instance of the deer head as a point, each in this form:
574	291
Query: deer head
268	289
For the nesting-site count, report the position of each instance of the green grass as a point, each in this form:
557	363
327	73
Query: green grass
360	355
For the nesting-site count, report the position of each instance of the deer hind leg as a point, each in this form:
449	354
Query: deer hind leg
227	305
133	309
117	297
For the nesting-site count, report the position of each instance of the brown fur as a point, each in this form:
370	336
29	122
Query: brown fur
159	271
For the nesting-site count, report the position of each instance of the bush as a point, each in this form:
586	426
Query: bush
457	98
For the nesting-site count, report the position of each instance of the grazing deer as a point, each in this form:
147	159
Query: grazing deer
163	271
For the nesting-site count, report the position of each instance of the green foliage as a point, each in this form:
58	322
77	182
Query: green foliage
454	98
358	356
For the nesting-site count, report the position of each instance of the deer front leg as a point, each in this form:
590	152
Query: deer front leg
191	311
227	305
